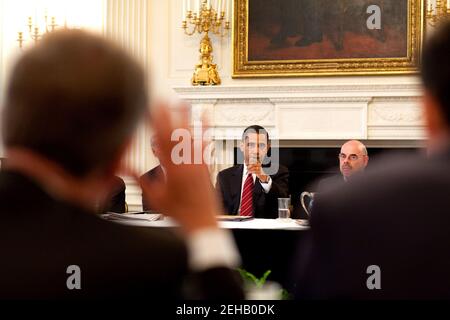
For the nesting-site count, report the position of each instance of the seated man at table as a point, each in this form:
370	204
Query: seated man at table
155	174
353	159
53	246
246	189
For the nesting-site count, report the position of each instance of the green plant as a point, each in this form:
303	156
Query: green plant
259	283
247	276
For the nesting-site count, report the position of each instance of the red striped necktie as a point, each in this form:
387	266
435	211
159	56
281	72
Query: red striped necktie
247	197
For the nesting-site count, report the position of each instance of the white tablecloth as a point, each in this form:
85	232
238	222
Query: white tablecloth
260	224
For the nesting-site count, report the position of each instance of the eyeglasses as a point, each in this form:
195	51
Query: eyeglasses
253	145
351	157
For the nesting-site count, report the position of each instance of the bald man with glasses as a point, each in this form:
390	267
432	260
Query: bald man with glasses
353	158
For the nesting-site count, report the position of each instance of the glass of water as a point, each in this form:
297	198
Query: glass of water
283	208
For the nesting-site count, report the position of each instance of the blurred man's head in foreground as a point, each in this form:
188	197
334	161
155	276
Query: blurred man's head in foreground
75	99
436	79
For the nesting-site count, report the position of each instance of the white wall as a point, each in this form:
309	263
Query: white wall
13	19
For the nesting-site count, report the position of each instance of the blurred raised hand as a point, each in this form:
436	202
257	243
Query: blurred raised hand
187	194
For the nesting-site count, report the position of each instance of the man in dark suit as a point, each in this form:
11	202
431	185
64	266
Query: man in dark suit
387	234
155	174
53	245
116	198
353	159
232	183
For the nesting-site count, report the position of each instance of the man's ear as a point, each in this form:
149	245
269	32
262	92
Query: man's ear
433	115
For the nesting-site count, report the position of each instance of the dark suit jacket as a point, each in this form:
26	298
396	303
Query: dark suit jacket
395	216
116	201
41	237
154	174
229	182
330	183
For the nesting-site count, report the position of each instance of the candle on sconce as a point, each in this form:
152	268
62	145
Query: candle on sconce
184	10
36	34
20	39
207	16
224	6
228	4
448	4
35	16
53	23
45	27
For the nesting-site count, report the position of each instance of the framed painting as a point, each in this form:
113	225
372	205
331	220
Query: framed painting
278	38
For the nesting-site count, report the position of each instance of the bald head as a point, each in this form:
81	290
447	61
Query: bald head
352	158
355	145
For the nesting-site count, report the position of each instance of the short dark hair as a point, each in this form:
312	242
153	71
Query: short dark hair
255	129
74	98
436	67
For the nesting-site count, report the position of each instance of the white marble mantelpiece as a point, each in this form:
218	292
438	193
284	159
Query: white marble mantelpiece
294	91
313	112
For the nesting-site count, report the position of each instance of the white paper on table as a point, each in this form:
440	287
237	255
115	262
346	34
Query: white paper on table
133	217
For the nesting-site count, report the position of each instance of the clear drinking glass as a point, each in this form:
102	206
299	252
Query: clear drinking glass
283	208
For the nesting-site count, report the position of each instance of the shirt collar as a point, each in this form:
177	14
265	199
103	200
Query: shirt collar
245	173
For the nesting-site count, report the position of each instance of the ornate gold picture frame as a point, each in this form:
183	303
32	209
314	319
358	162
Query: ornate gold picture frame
282	38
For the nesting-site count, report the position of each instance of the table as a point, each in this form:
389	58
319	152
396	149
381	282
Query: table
255	224
264	244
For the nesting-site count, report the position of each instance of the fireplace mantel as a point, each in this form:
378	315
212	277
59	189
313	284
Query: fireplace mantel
365	111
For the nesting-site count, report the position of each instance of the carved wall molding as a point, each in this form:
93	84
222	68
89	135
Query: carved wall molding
399	116
243	113
307	100
268	91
